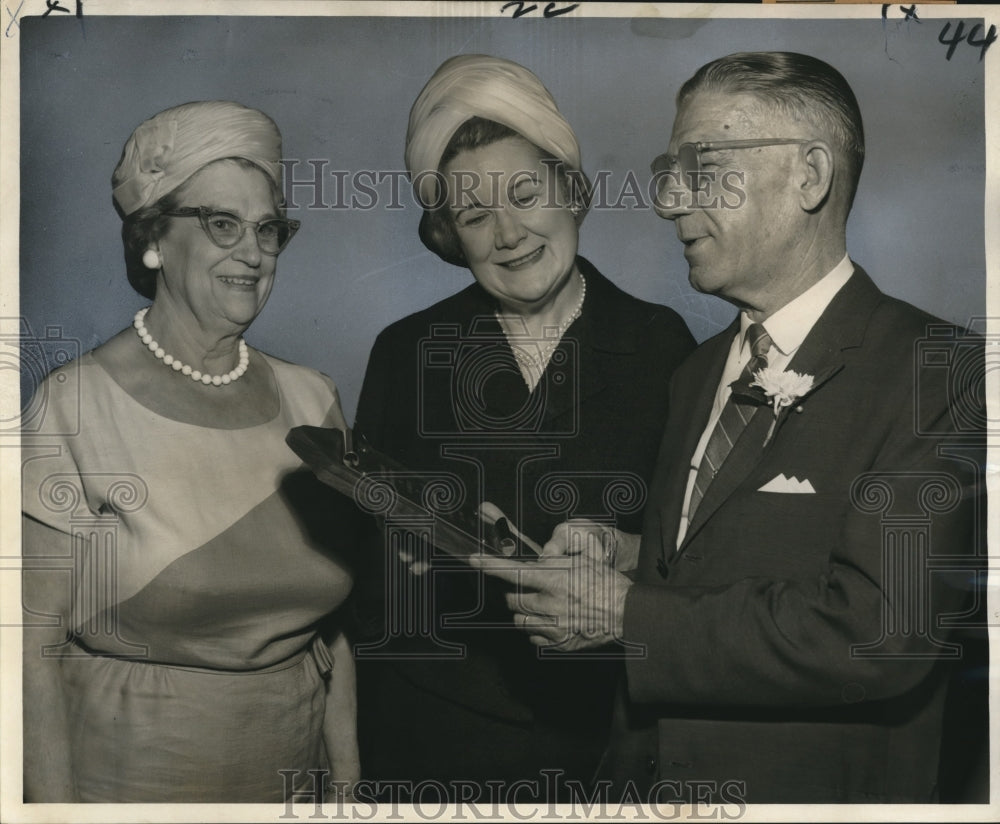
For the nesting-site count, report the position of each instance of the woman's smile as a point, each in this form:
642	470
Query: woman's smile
518	245
525	260
247	282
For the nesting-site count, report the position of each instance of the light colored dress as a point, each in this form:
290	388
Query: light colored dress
202	562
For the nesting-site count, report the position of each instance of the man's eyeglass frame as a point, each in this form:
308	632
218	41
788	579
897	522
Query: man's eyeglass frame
666	163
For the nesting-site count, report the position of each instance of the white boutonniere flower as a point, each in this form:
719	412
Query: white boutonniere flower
783	388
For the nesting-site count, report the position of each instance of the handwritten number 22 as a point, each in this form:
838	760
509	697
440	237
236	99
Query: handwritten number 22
952	43
522	9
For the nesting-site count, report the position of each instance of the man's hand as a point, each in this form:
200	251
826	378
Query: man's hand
616	548
570	598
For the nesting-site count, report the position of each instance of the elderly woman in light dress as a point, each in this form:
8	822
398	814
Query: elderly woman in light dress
217	655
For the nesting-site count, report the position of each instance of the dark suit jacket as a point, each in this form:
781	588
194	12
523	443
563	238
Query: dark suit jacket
443	393
790	646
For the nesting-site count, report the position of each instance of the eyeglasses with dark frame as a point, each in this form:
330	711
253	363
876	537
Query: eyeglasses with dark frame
225	229
687	161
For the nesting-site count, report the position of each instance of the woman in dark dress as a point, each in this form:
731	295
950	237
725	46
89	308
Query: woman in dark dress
538	388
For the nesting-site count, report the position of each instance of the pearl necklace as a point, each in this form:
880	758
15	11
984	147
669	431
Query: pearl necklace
183	368
532	366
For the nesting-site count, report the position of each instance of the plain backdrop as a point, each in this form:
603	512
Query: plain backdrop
340	89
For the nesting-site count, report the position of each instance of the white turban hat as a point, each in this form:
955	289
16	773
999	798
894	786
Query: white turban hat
477	85
167	149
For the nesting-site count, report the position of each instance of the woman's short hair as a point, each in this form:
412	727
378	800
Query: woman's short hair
437	227
144	227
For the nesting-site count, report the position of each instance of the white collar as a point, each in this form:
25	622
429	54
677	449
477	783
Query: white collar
789	326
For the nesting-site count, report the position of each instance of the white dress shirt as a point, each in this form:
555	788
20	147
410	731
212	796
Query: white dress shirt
787	327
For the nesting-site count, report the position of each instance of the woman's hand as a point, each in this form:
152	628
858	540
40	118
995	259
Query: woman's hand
490	514
48	770
493	515
340	728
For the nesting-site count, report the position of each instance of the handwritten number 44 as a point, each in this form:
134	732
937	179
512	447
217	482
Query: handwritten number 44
953	42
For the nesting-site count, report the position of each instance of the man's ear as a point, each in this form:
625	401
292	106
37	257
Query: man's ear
817	180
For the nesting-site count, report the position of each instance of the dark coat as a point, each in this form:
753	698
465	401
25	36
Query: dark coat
443	394
792	641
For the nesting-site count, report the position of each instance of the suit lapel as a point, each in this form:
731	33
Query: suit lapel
841	326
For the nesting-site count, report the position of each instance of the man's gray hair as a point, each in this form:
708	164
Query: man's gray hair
796	84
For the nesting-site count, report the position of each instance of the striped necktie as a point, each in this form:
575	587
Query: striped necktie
732	421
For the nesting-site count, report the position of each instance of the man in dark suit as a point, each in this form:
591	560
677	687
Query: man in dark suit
815	493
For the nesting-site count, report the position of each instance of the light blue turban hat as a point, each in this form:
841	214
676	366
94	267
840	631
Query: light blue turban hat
477	85
167	149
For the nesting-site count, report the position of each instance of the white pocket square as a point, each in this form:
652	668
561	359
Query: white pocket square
792	485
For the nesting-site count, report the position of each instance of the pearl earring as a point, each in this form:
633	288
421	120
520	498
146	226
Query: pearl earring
151	259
